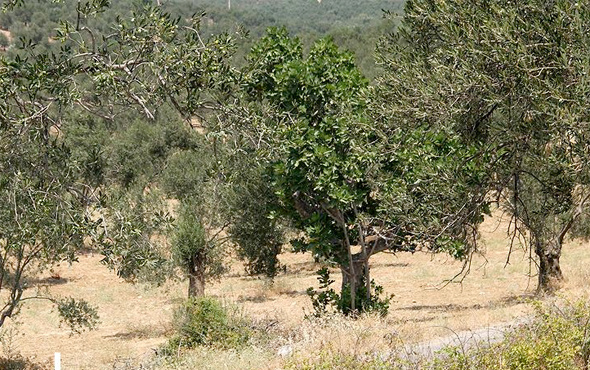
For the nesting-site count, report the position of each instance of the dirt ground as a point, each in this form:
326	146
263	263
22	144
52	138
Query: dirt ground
135	319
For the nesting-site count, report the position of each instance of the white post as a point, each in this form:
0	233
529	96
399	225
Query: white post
57	360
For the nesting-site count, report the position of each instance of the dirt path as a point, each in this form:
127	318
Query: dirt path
465	340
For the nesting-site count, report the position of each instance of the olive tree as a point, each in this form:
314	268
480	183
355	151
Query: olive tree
509	79
48	203
43	208
177	69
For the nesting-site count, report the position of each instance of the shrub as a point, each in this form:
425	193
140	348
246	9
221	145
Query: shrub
326	298
205	321
557	338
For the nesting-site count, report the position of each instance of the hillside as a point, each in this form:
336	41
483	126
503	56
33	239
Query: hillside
353	25
191	184
301	16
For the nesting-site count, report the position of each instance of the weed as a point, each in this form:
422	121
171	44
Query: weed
326	298
558	339
207	322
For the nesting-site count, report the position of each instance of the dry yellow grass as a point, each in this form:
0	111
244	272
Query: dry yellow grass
135	319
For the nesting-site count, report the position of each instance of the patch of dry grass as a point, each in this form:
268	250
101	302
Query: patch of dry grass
136	320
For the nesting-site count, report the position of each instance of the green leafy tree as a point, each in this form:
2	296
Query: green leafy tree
255	227
199	246
198	253
194	78
508	78
165	62
351	187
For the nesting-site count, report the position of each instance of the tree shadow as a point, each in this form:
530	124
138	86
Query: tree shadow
302	268
48	281
389	264
139	332
508	301
261	298
255	299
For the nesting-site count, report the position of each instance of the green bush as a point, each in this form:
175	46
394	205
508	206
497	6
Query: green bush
205	321
326	299
558	338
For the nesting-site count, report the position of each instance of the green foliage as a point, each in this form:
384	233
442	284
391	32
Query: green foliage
190	242
87	137
43	212
54	193
205	321
255	228
331	166
138	151
505	89
557	338
326	299
78	315
189	236
4	42
267	57
356	27
339	177
311	142
187	173
310	106
307	19
126	240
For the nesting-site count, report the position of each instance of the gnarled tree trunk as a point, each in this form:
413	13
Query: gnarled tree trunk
196	277
550	275
355	278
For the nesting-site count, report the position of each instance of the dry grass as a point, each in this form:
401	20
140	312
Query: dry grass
7	33
135	319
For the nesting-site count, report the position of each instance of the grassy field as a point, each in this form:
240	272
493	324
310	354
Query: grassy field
136	320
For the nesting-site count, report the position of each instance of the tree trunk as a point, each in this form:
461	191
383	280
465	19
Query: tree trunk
196	277
359	271
353	278
550	275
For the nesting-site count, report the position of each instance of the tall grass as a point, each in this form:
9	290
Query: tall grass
557	337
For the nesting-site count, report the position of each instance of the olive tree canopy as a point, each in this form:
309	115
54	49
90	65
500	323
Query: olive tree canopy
511	79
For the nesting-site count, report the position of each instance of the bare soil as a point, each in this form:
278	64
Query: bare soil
135	319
